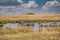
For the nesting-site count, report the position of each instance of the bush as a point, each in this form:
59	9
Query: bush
30	13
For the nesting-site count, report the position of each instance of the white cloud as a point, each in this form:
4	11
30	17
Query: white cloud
20	1
22	8
30	4
51	6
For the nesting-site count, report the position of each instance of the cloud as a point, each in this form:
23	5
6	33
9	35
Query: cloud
58	0
31	6
10	2
20	1
51	6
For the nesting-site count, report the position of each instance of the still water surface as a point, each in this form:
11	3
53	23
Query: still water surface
35	27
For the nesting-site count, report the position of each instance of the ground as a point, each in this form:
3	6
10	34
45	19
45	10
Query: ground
30	35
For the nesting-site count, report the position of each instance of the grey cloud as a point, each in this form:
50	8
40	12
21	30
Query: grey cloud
58	0
9	2
51	6
23	8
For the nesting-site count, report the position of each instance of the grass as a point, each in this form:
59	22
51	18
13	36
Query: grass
32	36
24	29
25	33
31	17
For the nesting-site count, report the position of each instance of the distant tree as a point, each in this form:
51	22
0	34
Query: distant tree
30	13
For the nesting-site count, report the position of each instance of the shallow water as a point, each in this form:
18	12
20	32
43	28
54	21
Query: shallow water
16	25
35	26
11	25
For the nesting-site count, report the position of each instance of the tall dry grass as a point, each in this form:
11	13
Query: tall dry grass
25	33
27	29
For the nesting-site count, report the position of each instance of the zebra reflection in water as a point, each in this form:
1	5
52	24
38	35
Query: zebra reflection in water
35	26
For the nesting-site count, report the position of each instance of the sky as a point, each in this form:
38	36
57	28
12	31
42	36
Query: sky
13	7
